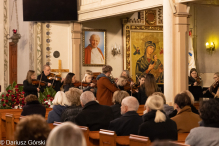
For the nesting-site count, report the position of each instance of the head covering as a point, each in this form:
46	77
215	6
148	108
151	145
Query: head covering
149	43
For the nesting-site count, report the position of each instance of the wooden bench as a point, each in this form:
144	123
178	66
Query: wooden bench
136	140
140	110
179	143
182	137
17	114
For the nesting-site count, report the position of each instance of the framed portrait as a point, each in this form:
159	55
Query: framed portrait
94	47
144	51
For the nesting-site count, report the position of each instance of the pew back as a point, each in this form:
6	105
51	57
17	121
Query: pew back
107	138
136	140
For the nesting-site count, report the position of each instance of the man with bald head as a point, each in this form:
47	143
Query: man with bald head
93	115
93	54
130	121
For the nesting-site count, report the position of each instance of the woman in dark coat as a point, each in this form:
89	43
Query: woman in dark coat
33	106
73	96
30	88
156	125
118	96
69	81
60	103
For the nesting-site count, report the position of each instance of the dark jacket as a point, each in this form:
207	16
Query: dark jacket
70	113
162	131
57	84
95	116
67	86
116	110
142	96
55	114
194	110
127	124
29	88
33	107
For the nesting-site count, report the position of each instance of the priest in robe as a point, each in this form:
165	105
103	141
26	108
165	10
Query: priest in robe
93	54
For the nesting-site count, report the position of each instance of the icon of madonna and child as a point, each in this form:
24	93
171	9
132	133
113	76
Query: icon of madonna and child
149	63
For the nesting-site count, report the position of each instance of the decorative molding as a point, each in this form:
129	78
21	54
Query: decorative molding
160	16
48	40
31	46
6	72
147	17
140	21
39	48
128	29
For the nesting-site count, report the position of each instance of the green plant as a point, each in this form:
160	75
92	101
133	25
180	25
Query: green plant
48	94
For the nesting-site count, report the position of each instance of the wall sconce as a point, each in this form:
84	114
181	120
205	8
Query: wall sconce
210	48
115	50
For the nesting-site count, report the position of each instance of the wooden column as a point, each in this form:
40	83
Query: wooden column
76	49
12	62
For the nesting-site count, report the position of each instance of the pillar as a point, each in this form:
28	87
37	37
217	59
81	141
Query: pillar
76	47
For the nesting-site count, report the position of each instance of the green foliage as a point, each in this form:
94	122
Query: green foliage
48	94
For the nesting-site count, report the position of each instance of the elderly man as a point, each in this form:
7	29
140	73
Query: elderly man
129	122
93	115
93	54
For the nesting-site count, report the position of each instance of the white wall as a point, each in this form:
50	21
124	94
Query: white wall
113	27
23	44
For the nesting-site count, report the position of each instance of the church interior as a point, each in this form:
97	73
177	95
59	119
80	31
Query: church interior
183	35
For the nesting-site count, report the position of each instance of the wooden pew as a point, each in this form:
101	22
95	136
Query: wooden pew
136	140
182	137
180	144
107	138
140	110
10	126
17	114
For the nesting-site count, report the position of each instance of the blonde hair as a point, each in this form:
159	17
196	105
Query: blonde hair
87	74
187	92
155	102
120	80
29	74
60	99
118	96
38	129
161	95
73	96
66	134
217	74
31	98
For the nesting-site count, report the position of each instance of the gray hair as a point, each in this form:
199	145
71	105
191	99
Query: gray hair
127	73
93	35
86	97
61	99
118	96
66	134
131	102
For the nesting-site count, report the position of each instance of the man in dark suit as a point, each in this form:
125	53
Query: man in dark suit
93	115
129	122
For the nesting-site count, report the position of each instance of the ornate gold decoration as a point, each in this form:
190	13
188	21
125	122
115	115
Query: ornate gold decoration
150	17
128	31
83	46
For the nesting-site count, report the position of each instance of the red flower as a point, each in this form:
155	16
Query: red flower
17	102
51	99
22	92
23	102
6	101
3	95
23	99
9	91
46	103
44	99
2	100
12	105
17	90
4	104
14	31
12	96
48	96
16	86
7	95
12	100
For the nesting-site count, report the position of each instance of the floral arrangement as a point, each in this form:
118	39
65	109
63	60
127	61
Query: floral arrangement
47	96
13	97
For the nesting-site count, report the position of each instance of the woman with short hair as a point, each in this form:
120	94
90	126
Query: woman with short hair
118	96
33	106
60	102
156	125
31	129
185	118
66	134
73	96
206	135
